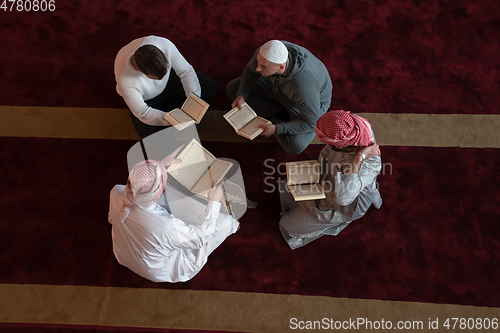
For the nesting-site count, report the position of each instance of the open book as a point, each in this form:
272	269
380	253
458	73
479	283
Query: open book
303	180
191	112
198	169
245	121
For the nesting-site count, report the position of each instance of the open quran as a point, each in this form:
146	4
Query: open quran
198	169
245	121
303	180
191	112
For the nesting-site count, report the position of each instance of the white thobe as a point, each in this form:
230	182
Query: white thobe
136	88
160	247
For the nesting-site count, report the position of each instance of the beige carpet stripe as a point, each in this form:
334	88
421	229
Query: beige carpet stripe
435	130
212	310
78	123
427	130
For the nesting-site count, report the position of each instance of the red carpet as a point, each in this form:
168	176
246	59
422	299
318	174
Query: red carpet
393	56
435	239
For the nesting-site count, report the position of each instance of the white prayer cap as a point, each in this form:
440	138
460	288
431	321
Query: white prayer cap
274	51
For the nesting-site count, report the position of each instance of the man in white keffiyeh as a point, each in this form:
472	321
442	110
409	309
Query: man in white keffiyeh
152	242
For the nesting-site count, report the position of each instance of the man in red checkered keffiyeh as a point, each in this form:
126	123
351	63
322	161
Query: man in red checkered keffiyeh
349	165
340	128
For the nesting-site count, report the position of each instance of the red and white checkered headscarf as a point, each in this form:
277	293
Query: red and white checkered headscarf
145	184
341	129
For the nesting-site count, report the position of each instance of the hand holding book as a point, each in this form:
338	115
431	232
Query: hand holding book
170	159
269	130
303	180
199	168
190	113
216	192
245	121
238	102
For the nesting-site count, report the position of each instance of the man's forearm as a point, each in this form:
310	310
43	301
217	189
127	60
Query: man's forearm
296	126
248	80
356	163
209	217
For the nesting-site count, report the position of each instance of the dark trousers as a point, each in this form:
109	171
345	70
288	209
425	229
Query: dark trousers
172	97
267	105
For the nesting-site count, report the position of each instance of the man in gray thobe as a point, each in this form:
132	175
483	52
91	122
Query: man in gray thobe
350	163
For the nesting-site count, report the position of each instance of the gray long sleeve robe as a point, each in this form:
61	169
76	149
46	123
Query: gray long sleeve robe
348	197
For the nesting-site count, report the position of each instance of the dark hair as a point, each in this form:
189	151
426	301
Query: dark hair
151	61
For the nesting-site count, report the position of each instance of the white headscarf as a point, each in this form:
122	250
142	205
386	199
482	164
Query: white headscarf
145	184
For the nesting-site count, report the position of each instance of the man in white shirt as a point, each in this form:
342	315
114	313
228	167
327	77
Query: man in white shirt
153	77
152	242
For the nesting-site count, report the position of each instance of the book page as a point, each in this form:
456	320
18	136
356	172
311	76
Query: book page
253	126
195	162
218	170
306	190
242	117
194	106
303	172
179	116
209	158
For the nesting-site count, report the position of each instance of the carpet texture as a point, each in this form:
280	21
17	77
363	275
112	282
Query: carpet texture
392	56
435	239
